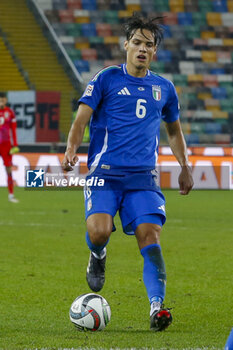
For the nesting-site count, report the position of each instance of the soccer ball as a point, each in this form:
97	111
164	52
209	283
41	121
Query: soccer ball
90	312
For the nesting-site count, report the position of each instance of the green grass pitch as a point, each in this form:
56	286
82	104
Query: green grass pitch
43	258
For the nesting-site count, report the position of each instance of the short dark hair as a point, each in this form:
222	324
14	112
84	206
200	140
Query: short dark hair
137	21
2	94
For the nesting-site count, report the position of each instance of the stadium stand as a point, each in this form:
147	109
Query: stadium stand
11	78
198	40
37	58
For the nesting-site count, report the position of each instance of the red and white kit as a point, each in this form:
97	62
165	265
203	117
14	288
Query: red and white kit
7	134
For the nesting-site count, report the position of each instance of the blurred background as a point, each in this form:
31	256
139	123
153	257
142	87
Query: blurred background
51	48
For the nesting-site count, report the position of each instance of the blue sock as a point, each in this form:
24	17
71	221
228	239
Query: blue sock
229	344
95	248
154	274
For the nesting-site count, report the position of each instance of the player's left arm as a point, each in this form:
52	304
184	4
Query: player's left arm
178	146
14	149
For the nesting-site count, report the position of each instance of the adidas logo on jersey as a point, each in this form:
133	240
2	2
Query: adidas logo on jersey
124	91
162	207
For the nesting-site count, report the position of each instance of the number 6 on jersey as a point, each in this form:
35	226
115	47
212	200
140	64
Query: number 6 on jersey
140	109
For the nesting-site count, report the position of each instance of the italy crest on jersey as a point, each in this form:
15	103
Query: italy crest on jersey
156	91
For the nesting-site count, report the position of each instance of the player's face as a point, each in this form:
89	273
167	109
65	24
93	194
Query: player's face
140	49
2	102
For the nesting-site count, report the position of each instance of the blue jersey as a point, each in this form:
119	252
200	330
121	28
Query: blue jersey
125	125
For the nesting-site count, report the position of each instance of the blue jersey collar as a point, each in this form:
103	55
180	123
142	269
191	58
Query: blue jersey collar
125	72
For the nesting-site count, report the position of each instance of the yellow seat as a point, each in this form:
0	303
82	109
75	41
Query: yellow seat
176	2
207	34
124	14
133	7
214	19
111	40
177	8
209	56
11	78
228	42
195	77
220	115
204	95
82	20
230	5
212	108
81	46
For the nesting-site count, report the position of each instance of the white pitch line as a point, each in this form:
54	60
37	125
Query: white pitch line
31	224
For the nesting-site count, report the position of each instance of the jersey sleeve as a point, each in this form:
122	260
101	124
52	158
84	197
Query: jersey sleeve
170	112
93	93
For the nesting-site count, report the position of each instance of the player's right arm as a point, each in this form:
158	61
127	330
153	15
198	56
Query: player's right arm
75	136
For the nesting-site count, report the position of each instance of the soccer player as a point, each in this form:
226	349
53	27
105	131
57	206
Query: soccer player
8	129
126	104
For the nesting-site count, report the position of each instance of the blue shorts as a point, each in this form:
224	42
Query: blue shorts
135	206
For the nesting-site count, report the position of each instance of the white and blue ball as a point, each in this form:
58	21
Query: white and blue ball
90	312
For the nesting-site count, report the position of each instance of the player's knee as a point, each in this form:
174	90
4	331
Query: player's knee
152	236
99	235
148	234
99	227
